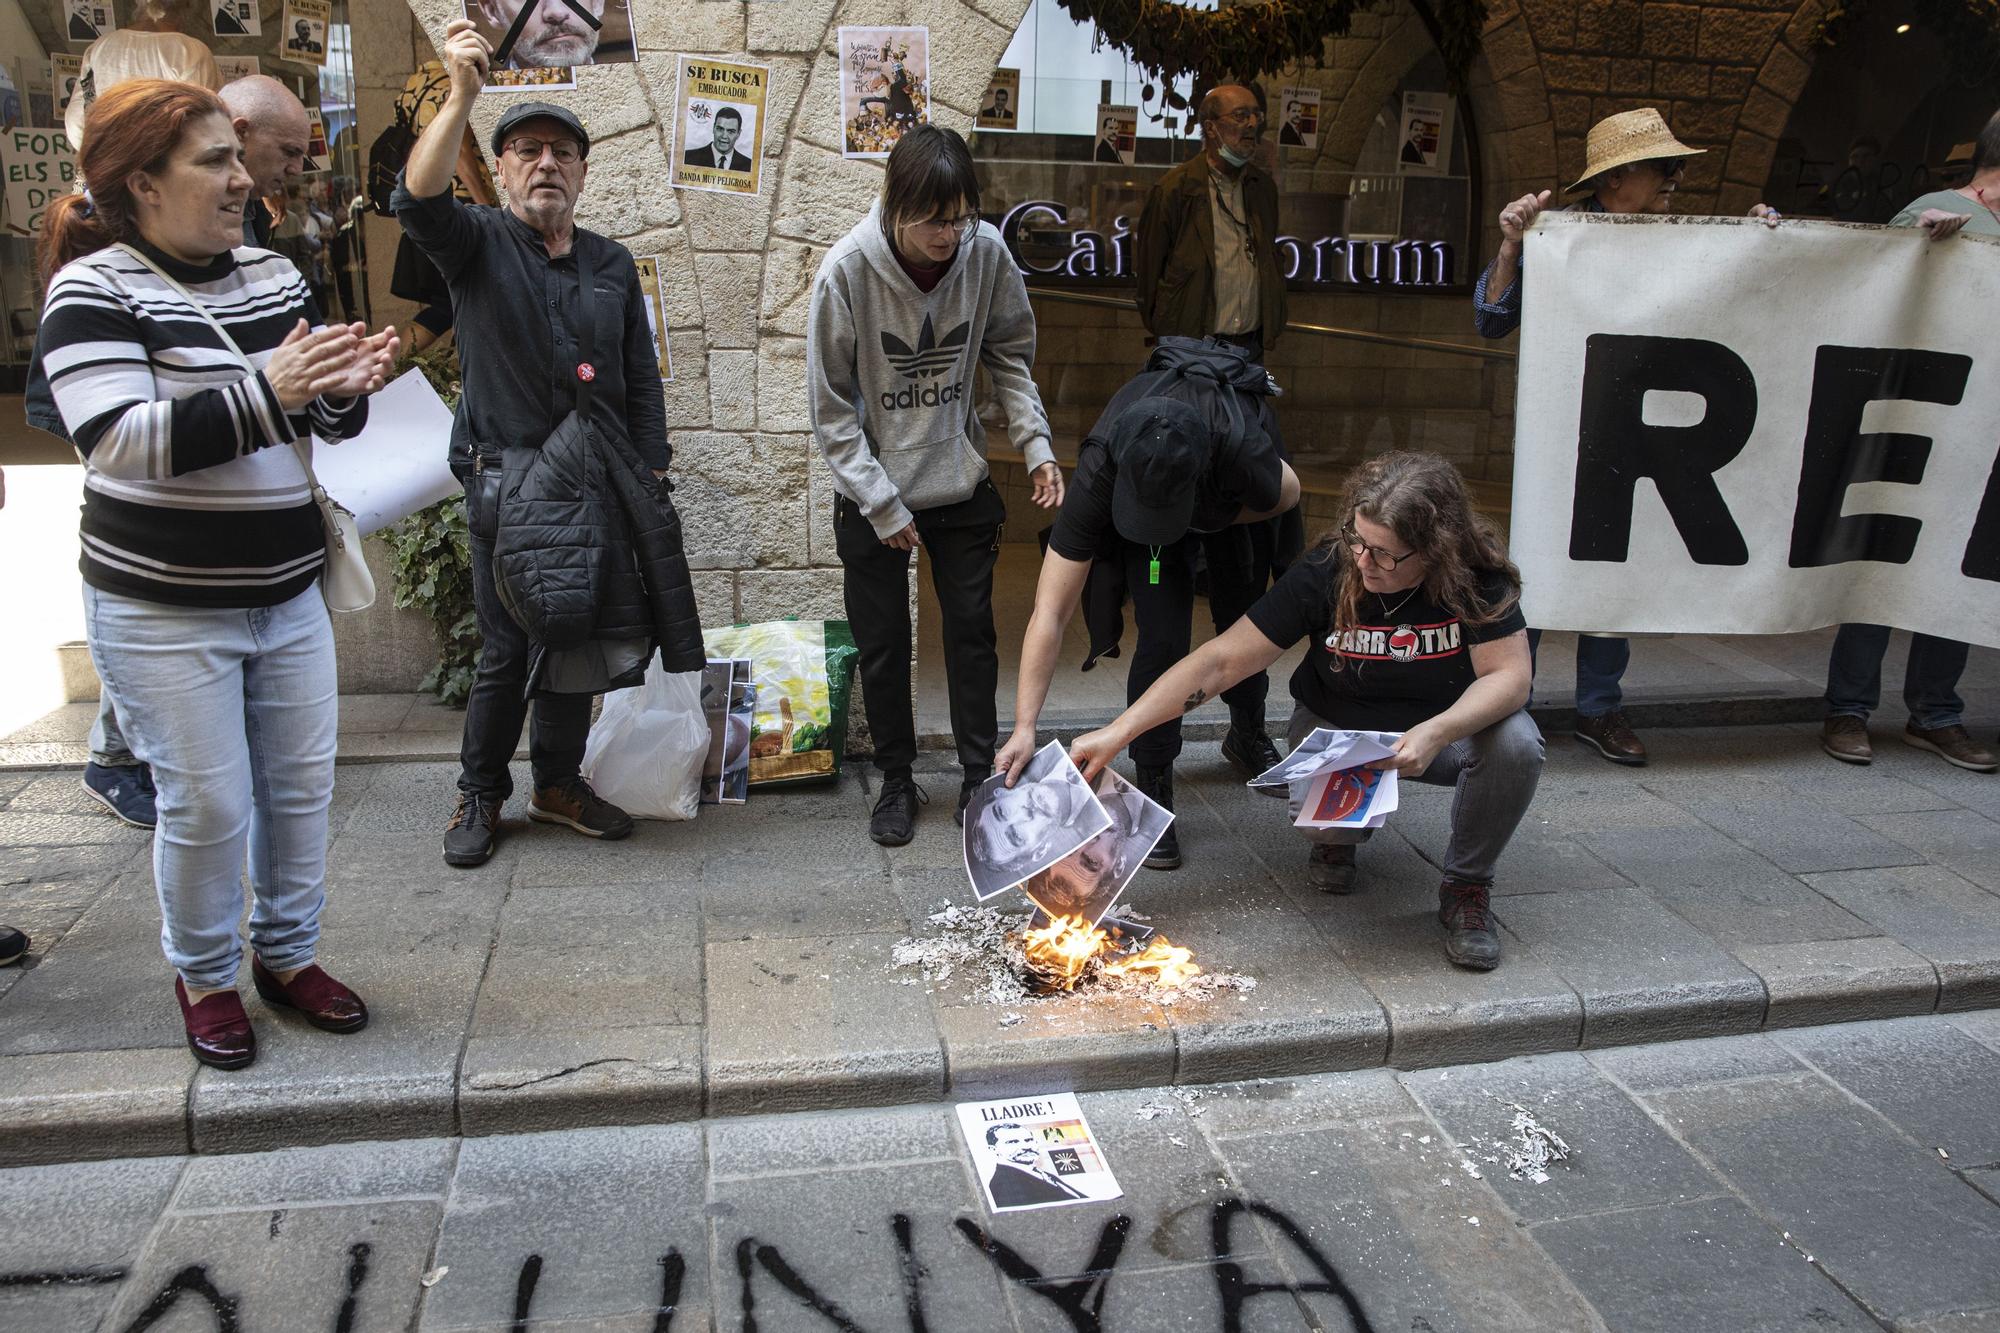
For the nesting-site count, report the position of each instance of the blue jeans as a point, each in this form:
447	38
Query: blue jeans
1930	681
236	710
1495	772
1600	669
107	739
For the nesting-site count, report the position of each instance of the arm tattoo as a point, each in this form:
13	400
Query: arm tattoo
1194	701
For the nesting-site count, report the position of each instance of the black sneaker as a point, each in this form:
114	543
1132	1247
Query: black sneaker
127	792
1331	867
468	838
1252	753
1470	940
894	821
1158	783
973	777
573	803
13	946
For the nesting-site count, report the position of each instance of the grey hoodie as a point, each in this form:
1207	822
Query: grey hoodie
890	370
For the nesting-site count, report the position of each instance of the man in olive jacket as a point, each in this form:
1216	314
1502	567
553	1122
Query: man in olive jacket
1206	254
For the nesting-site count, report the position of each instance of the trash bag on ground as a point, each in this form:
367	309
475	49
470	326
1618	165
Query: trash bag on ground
646	748
804	673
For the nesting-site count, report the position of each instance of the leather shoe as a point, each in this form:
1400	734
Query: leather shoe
319	999
218	1031
1611	736
1845	737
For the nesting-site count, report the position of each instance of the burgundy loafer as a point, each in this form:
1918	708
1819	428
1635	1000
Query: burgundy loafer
218	1031
322	1001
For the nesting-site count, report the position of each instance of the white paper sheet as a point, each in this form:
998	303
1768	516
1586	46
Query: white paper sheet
396	465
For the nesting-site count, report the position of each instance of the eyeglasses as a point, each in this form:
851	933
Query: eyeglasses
961	228
1244	116
567	151
1669	167
1383	560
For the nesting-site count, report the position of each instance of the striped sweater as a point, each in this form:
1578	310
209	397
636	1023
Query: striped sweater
193	495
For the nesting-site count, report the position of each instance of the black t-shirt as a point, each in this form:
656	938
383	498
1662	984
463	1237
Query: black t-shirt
1248	474
1391	671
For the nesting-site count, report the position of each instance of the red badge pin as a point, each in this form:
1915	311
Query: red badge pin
585	371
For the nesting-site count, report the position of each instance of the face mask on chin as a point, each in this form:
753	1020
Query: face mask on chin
1232	157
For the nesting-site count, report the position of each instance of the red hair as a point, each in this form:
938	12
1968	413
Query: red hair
134	127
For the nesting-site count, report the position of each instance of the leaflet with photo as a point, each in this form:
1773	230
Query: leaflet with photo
1090	880
720	136
1014	832
1328	748
742	722
1035	1152
1000	108
88	20
302	31
885	87
236	18
656	312
1348	798
1298	117
538	43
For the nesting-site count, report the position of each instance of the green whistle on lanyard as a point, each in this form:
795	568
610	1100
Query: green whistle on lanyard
1153	568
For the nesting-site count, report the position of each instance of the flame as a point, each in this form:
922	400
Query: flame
1171	964
1060	952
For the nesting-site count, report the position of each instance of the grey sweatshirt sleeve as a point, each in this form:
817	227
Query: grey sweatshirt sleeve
831	392
1008	353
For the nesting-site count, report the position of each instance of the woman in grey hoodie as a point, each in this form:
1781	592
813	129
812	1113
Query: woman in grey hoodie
905	310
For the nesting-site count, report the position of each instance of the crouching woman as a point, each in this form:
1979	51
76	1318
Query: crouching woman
1413	612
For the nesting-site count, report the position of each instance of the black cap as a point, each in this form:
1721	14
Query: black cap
1161	448
521	112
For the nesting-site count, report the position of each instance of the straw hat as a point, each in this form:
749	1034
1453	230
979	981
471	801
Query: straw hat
1628	137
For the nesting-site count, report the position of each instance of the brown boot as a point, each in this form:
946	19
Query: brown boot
1954	745
1470	940
1845	737
575	804
1611	736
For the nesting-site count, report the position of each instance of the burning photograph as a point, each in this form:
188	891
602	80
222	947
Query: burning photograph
884	87
1014	832
1035	1152
1090	879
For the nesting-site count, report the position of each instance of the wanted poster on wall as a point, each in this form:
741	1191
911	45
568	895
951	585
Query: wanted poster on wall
237	67
1298	117
303	31
1000	108
316	154
65	72
1117	136
1426	135
1035	1152
720	126
656	312
236	18
884	87
1691	461
87	20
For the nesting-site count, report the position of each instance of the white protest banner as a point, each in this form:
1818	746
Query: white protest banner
1726	428
396	465
40	168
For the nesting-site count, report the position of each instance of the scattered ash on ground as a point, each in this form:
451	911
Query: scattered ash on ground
975	951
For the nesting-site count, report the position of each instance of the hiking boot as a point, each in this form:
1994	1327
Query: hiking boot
468	838
1252	753
894	821
973	777
127	792
1158	784
1611	736
1331	867
572	802
1845	737
1470	940
1952	744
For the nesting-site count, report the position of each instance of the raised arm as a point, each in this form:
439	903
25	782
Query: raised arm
1238	652
467	59
1056	593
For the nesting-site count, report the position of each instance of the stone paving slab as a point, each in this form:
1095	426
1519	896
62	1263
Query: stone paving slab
1728	1184
571	982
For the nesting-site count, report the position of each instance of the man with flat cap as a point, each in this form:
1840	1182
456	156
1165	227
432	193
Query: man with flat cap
551	320
1190	446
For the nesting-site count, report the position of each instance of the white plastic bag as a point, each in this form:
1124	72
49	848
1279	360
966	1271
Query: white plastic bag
646	749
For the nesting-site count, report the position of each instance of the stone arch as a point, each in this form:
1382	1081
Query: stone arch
1341	143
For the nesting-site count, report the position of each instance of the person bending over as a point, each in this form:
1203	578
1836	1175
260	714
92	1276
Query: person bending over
1413	610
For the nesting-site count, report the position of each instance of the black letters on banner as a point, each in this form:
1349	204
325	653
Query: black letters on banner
1838	455
1982	551
1615	446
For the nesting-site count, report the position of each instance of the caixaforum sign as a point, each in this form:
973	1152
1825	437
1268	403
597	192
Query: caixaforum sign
1321	261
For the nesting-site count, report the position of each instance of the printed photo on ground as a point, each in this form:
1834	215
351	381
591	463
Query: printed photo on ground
1088	881
1035	1152
719	143
540	37
1014	832
884	87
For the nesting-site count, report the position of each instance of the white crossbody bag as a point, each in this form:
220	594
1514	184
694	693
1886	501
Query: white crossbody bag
346	581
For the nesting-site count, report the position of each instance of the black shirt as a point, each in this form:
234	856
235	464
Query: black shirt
516	314
1406	661
1246	474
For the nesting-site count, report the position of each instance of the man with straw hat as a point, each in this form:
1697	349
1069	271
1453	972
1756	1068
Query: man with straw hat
1632	164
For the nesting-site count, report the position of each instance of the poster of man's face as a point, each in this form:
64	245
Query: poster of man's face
1014	832
1088	881
555	34
728	142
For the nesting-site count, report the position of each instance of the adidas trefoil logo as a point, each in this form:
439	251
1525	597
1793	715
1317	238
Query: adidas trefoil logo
931	357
